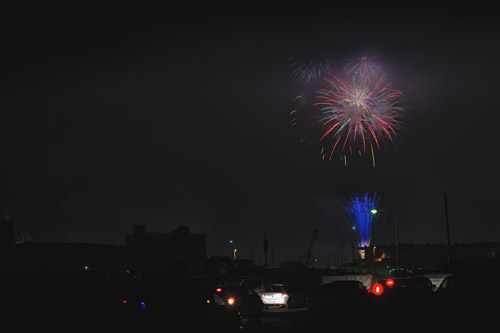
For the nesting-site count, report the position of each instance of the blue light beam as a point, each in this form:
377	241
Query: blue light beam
359	208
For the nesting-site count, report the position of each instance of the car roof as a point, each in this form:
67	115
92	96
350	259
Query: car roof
236	290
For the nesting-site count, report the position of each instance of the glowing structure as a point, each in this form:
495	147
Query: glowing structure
359	211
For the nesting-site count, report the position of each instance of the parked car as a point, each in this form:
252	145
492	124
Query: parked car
238	299
275	295
459	291
341	293
413	294
296	296
249	282
399	284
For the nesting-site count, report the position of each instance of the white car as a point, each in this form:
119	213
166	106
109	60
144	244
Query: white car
275	294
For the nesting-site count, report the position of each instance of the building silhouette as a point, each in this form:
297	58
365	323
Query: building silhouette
179	251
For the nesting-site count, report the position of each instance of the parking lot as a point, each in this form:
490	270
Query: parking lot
200	304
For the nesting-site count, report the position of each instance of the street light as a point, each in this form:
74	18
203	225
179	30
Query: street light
375	211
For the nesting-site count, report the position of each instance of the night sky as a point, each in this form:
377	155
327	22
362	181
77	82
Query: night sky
174	115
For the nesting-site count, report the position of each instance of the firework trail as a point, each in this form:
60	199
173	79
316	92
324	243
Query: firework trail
304	118
359	208
357	114
309	72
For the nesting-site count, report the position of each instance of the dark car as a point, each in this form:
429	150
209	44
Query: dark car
181	302
298	295
468	295
249	282
245	301
413	294
417	282
337	294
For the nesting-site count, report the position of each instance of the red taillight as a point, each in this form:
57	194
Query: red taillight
389	282
284	294
263	294
124	301
378	289
218	290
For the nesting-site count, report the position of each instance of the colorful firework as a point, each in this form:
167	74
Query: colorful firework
358	113
359	208
355	112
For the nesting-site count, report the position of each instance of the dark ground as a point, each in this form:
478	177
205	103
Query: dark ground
62	303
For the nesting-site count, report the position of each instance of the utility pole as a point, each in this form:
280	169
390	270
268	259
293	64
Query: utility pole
314	239
447	226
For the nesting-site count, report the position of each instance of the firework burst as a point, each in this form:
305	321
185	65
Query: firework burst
358	114
353	114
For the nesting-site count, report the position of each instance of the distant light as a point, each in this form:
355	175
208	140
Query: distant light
374	211
143	305
231	241
389	282
124	301
231	300
86	268
208	301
